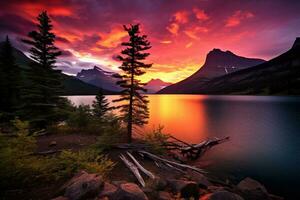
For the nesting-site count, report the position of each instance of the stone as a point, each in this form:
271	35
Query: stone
200	179
221	195
253	190
162	195
251	184
129	191
82	186
186	189
108	190
52	143
158	183
213	188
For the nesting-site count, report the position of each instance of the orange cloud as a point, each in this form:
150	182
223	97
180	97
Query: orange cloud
112	39
173	28
188	45
200	14
237	17
181	17
166	42
193	32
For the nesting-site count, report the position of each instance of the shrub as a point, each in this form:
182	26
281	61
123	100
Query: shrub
156	139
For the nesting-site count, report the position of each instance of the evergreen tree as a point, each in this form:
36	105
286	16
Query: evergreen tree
135	110
100	106
42	94
10	83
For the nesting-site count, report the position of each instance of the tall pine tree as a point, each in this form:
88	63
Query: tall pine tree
135	110
100	106
10	83
42	94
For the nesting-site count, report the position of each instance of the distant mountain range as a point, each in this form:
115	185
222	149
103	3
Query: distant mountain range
154	85
279	76
101	78
217	63
72	85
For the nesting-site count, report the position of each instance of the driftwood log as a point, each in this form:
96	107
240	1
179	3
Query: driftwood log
133	169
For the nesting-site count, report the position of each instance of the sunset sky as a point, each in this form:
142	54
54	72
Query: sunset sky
181	32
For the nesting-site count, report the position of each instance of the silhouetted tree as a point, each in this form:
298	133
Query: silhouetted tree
100	106
135	110
10	82
42	94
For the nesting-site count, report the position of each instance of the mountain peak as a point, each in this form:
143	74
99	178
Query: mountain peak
296	43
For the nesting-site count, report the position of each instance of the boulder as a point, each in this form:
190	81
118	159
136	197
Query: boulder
108	190
253	190
83	186
186	189
200	179
221	195
158	183
250	184
162	195
129	191
52	143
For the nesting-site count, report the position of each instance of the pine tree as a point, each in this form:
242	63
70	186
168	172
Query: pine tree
100	106
10	83
135	110
42	95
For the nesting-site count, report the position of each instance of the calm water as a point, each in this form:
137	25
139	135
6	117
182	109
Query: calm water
264	131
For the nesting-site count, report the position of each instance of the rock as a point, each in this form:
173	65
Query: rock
108	190
200	179
185	188
118	183
162	195
129	191
60	198
253	190
213	188
221	195
52	143
83	186
250	184
158	183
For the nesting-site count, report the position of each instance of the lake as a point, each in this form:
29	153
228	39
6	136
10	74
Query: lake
264	132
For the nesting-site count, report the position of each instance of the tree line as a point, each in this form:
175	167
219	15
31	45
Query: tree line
34	93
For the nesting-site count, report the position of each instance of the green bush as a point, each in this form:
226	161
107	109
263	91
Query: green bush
156	138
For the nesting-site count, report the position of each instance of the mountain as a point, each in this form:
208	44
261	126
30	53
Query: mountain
100	78
217	63
154	85
72	85
279	76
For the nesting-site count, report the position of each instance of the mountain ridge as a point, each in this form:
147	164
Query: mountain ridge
217	63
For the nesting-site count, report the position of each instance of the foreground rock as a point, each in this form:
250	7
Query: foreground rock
108	190
253	190
83	186
186	189
221	195
129	191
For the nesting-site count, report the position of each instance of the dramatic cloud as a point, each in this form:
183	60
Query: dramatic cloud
181	32
238	17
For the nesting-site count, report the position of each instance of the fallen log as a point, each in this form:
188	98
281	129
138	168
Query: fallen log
163	160
148	173
45	153
133	169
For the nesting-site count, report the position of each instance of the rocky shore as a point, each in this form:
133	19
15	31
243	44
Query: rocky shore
190	186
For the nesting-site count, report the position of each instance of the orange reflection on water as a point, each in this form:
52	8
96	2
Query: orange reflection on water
171	113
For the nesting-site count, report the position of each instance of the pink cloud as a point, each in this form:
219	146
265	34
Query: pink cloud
238	17
200	14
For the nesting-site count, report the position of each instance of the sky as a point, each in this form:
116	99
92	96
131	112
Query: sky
181	32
